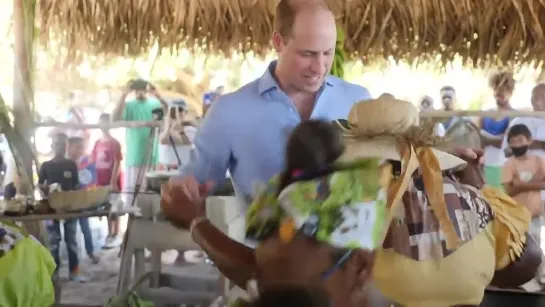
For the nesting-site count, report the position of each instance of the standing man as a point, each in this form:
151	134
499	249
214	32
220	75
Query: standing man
448	99
493	130
211	97
138	139
247	130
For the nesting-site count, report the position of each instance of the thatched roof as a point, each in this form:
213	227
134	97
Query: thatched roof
476	29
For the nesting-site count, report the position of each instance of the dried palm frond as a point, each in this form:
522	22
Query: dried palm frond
486	33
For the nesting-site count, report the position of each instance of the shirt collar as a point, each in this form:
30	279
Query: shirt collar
267	82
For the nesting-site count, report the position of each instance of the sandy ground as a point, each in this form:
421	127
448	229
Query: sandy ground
101	279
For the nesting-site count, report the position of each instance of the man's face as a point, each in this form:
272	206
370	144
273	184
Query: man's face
76	150
140	95
104	121
538	99
502	95
426	105
308	54
448	98
59	147
519	141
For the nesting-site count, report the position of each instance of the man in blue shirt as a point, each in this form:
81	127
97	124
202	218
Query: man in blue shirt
245	131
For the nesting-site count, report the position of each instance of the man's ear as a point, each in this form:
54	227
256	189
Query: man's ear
278	42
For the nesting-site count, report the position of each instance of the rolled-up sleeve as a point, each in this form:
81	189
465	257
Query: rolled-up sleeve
212	151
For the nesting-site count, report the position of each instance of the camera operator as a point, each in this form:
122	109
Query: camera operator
146	99
176	139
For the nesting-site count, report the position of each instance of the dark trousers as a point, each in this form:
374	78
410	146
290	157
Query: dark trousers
70	231
87	235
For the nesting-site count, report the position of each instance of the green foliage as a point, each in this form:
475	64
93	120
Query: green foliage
337	68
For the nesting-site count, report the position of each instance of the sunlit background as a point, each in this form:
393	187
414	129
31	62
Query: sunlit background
98	80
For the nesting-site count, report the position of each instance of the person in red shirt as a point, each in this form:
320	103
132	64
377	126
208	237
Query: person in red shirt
107	156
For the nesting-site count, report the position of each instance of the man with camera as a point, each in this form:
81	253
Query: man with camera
137	141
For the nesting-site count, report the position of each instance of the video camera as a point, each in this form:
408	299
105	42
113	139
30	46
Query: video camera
158	114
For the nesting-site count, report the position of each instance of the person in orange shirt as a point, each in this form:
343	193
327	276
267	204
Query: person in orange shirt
523	178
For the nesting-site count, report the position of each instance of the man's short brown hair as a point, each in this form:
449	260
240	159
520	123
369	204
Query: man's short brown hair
503	79
287	10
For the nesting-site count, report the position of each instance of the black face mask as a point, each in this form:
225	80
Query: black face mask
519	151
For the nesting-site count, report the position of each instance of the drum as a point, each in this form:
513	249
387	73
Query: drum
464	133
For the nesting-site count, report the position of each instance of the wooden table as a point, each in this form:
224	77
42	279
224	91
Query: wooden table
67	215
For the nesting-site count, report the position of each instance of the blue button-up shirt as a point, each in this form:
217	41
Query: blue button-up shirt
246	131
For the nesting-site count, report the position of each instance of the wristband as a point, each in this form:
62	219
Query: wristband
196	222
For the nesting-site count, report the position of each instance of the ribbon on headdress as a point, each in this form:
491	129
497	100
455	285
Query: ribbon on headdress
416	153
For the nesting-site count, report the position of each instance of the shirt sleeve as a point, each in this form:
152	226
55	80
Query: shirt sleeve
41	175
75	175
155	103
365	95
507	172
440	130
94	152
212	146
126	115
190	133
540	132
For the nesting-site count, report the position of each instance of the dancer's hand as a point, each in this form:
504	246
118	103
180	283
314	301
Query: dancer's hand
469	154
472	174
183	200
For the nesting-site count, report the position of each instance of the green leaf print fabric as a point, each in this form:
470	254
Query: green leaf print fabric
346	207
25	270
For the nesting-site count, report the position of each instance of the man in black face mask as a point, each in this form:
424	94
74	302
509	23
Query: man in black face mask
523	177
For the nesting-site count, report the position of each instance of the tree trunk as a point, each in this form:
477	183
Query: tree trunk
23	90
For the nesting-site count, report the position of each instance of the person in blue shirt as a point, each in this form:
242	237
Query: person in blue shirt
245	131
493	130
210	97
87	179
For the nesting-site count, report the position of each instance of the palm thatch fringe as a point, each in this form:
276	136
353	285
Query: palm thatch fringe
486	32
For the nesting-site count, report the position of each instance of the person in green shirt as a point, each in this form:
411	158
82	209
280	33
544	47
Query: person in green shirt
137	140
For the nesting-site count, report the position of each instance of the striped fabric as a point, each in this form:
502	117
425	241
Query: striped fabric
415	232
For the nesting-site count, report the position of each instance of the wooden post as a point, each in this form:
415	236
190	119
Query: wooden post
23	90
23	98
